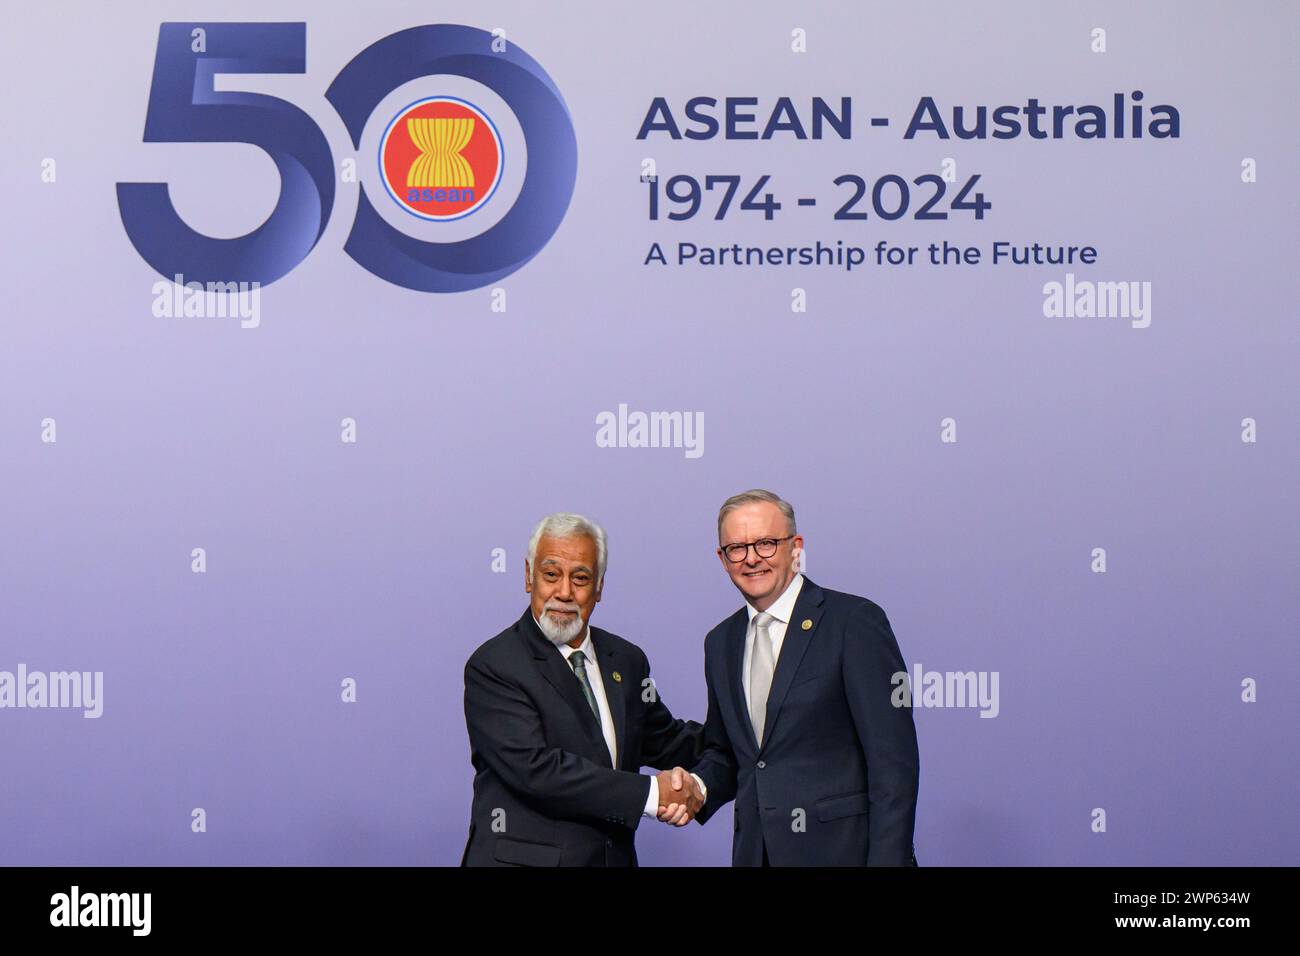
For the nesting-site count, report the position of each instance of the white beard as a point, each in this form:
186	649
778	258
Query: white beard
558	633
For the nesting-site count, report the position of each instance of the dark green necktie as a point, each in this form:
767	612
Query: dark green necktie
578	661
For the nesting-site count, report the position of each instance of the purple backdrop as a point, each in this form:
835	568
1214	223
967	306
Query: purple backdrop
373	560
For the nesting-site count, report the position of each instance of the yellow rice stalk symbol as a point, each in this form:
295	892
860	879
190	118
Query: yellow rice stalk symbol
440	141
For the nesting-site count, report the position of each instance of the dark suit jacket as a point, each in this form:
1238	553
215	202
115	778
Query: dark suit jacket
835	781
544	791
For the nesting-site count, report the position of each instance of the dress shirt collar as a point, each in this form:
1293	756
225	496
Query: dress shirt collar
783	607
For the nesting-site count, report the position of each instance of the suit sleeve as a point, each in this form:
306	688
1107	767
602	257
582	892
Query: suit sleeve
717	765
666	741
506	731
886	733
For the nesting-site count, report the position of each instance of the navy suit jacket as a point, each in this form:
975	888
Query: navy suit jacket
545	793
835	781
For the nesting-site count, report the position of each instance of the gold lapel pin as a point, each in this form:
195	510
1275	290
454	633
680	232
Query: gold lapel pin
807	624
618	678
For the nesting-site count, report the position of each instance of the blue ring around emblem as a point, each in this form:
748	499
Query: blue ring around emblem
381	248
501	158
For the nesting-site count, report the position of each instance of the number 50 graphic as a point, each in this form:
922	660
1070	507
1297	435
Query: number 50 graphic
184	107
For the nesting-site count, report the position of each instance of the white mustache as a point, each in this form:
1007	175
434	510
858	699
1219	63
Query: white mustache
554	605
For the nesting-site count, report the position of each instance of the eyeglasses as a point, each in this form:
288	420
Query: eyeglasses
763	547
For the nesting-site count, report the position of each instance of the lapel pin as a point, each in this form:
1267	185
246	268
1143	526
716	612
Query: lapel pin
618	678
807	624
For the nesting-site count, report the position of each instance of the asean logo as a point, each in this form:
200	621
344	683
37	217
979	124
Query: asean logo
441	158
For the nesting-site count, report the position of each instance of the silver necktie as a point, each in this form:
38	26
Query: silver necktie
761	666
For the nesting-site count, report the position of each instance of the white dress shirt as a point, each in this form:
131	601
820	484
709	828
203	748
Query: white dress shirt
606	717
781	610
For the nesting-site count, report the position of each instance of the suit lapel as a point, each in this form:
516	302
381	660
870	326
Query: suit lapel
734	664
560	675
615	692
807	608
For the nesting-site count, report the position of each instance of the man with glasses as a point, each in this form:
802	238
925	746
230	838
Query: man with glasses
801	730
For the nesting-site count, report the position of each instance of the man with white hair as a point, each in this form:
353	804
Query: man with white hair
561	718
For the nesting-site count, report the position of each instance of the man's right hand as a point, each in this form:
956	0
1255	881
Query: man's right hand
679	797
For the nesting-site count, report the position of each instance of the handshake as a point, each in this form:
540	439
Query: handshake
680	798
